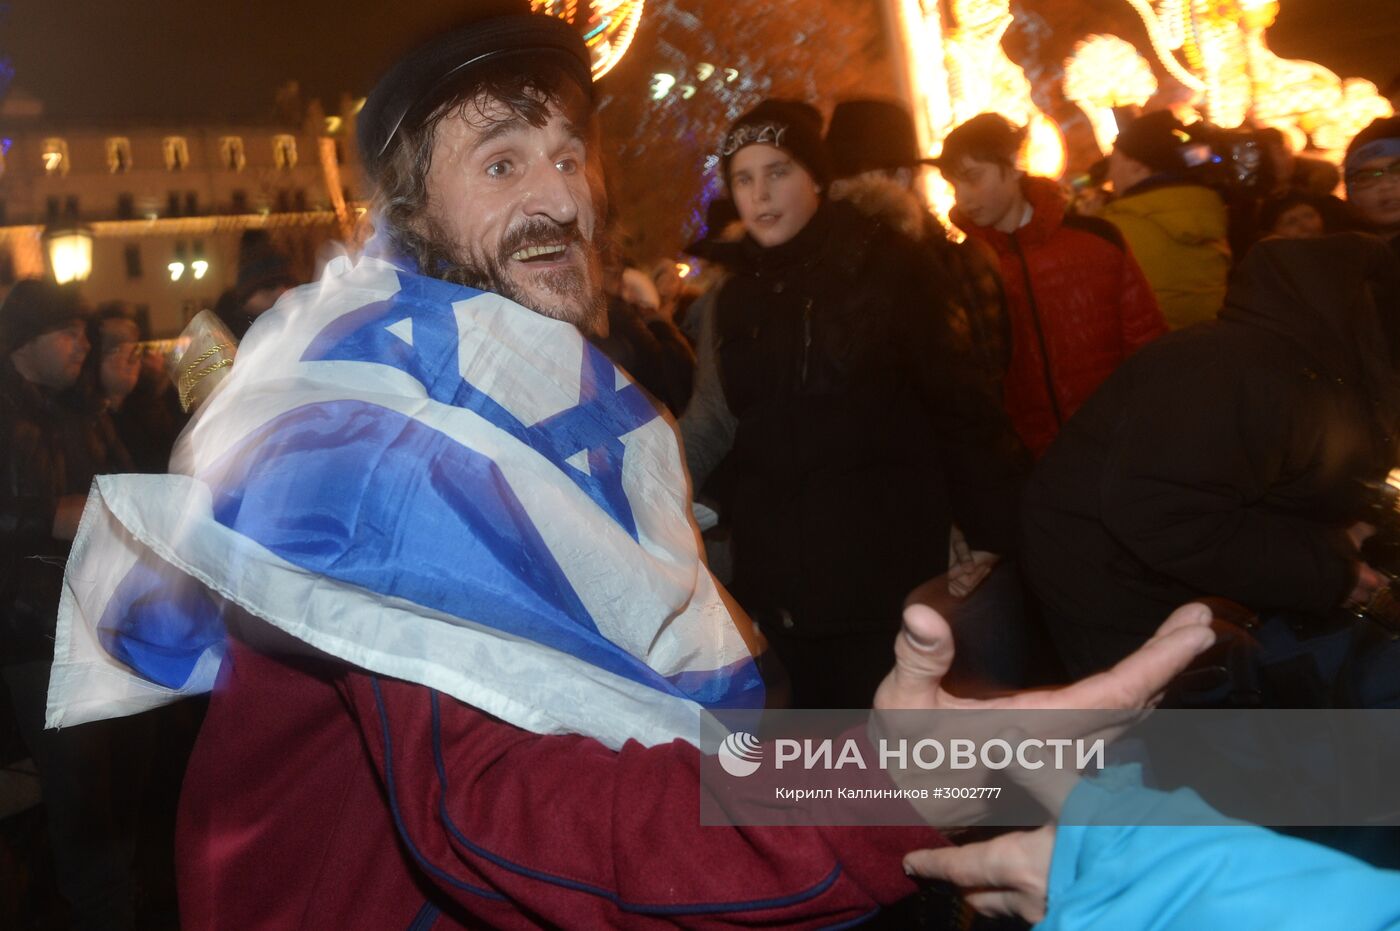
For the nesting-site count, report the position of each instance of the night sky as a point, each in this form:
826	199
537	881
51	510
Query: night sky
124	59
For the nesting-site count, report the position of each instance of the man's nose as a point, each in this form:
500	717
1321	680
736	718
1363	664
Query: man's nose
551	195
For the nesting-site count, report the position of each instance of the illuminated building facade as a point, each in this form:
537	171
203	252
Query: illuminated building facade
166	205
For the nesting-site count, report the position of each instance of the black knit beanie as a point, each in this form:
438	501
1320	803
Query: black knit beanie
789	125
33	307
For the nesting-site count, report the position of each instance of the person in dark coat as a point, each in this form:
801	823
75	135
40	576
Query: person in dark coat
1226	459
50	449
855	434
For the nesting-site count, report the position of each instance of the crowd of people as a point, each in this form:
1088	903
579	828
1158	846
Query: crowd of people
1089	408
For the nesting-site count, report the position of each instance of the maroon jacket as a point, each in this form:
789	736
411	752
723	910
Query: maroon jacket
321	796
1079	305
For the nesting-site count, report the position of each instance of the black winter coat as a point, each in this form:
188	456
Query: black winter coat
861	435
48	449
1224	459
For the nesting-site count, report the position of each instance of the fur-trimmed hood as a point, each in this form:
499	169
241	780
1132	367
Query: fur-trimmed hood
887	201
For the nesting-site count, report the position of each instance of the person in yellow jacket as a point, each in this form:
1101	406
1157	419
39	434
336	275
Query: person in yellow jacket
1176	228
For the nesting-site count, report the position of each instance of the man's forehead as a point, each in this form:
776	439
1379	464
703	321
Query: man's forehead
486	118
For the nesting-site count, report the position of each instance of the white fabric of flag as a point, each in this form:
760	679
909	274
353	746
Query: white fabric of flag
427	482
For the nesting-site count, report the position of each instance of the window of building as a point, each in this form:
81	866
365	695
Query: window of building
55	156
51	206
133	260
177	153
70	206
231	153
299	200
284	202
284	151
191	204
7	267
240	201
172	204
118	154
126	207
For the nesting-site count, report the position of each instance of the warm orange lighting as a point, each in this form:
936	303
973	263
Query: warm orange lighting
1106	72
1214	49
683	269
608	32
70	254
1239	80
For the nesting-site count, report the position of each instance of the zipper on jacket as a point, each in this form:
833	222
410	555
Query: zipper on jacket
1039	332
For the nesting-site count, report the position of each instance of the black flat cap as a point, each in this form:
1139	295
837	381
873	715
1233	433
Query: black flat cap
412	88
872	135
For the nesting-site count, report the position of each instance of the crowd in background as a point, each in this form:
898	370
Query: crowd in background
1170	381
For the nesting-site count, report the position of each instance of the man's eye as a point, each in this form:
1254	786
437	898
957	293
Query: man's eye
778	172
567	165
498	169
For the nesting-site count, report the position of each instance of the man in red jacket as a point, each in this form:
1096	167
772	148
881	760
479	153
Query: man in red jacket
325	795
1079	304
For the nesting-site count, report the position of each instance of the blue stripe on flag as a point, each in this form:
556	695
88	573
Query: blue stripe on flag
738	685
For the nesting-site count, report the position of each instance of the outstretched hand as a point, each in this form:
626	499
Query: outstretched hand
924	653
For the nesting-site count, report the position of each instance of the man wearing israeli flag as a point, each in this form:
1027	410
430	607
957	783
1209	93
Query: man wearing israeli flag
432	553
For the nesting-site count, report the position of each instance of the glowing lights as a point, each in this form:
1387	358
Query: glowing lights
1129	82
1236	78
334	124
55	157
661	84
70	254
177	270
683	269
199	267
957	69
608	32
1214	50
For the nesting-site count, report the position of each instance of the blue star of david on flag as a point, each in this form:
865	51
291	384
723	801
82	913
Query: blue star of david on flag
415	331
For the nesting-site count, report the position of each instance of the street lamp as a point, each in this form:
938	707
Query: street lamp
70	253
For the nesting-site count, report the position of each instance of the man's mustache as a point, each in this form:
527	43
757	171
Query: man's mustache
539	232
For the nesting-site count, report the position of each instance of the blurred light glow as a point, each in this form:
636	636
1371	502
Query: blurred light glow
704	70
683	269
70	255
1104	72
177	269
199	267
608	31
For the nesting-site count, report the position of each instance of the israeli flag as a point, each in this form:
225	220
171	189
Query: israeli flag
428	482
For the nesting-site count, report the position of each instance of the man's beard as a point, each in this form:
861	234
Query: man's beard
571	294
